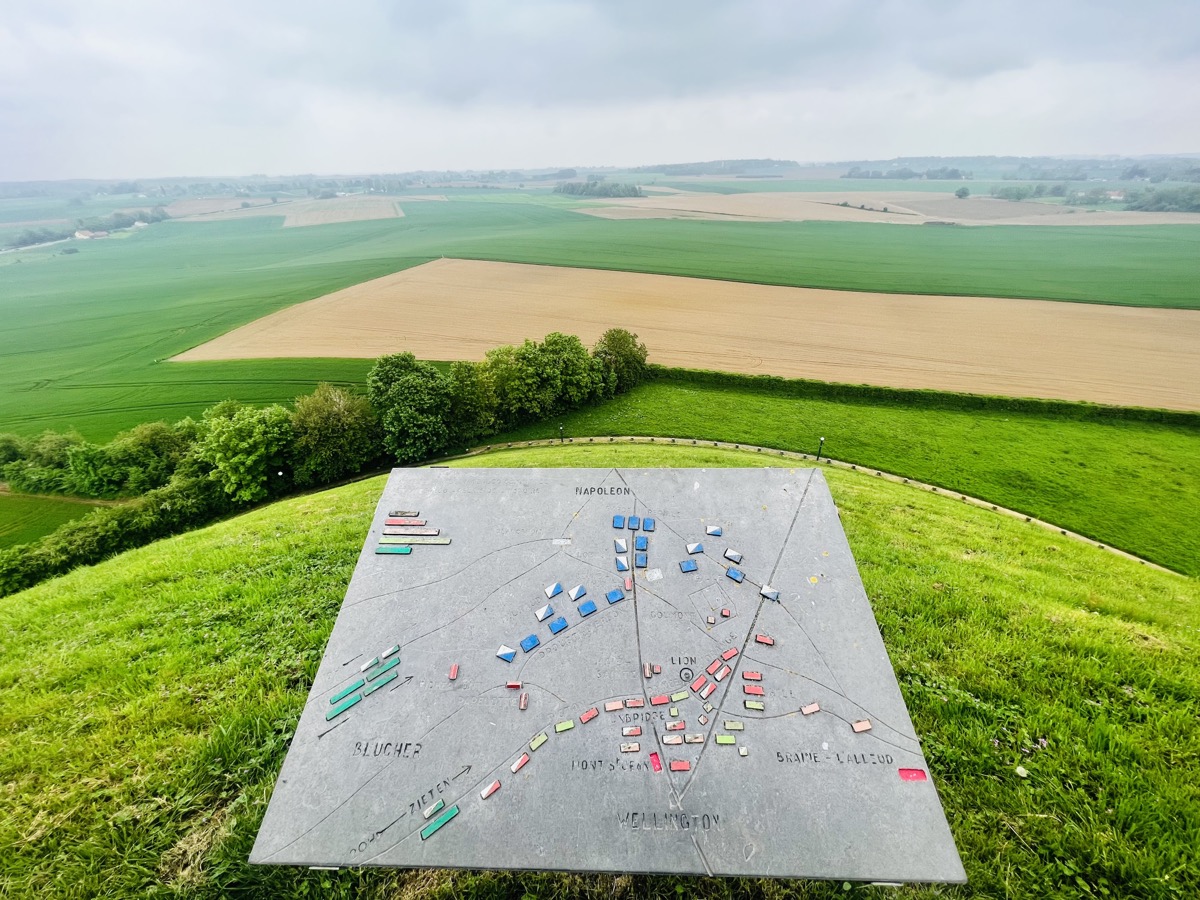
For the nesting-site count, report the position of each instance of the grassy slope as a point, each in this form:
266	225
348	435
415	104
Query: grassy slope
1130	484
83	332
145	704
24	519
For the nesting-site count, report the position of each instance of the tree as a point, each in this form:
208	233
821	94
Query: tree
412	399
472	412
620	352
247	451
336	434
963	193
568	377
513	383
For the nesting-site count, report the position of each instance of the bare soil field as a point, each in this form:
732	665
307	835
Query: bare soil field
299	213
459	309
897	207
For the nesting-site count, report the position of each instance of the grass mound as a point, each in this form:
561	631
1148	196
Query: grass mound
146	703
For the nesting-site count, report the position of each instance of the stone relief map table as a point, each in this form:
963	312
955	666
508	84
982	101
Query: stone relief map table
661	671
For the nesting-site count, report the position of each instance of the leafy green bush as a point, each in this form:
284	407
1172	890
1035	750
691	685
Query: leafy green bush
134	462
622	354
335	434
44	464
472	412
413	401
248	452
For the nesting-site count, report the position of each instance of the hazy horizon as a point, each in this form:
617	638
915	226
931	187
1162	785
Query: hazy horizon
150	91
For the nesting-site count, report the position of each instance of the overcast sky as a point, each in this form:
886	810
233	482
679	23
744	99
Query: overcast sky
128	88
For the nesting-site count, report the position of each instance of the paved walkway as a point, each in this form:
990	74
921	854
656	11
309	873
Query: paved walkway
825	461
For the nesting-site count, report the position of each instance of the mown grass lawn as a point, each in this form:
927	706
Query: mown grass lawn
146	703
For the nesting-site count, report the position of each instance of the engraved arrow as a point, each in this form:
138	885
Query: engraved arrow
465	770
402	684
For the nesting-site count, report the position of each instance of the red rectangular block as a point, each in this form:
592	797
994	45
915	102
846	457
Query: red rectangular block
713	666
752	676
680	765
729	654
660	700
754	690
913	775
393	521
764	639
699	683
454	672
589	715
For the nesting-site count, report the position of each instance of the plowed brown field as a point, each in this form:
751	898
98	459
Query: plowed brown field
458	309
297	213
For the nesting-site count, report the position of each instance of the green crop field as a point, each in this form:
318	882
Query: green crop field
24	519
1129	484
141	733
85	334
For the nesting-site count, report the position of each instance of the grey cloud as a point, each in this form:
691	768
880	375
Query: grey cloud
103	77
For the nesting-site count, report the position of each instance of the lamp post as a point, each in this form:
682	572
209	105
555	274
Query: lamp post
560	434
820	447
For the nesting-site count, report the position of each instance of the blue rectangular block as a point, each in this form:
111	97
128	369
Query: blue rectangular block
586	609
688	565
639	560
618	521
622	563
735	574
529	643
647	524
558	625
641	542
634	523
615	596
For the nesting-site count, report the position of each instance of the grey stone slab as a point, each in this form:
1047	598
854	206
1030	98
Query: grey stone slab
584	746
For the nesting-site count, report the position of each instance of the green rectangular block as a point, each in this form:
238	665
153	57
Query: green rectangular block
679	696
395	551
726	739
734	726
564	726
755	704
538	741
342	707
380	682
346	691
429	830
386	667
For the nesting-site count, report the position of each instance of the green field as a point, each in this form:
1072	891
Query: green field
24	519
141	732
1129	484
85	334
